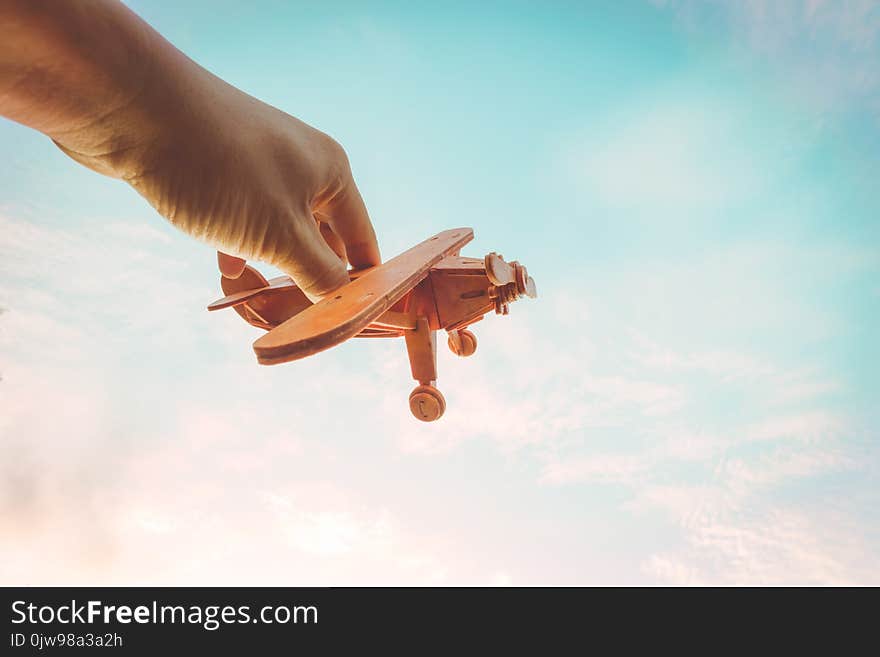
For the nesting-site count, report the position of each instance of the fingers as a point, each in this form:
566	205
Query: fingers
347	216
317	265
311	262
332	239
230	266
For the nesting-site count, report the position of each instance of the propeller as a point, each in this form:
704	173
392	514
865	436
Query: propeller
510	280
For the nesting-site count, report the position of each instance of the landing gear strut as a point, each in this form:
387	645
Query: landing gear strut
425	402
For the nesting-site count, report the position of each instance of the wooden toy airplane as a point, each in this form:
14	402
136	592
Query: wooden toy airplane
425	289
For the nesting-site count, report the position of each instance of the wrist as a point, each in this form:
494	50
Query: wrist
129	89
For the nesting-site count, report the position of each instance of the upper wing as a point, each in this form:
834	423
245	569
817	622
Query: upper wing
343	314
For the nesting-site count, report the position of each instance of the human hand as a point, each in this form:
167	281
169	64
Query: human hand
224	167
256	183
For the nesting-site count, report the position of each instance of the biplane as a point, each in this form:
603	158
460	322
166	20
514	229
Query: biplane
423	290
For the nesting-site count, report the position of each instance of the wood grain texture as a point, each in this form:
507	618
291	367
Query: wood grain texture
237	298
342	315
421	346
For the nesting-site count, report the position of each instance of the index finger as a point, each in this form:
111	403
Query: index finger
347	216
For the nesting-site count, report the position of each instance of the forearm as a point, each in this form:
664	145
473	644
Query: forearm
91	75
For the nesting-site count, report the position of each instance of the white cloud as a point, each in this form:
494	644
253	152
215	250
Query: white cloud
535	380
808	426
780	547
823	52
605	468
128	458
142	438
675	157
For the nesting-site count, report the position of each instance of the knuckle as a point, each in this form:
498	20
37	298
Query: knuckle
336	150
336	157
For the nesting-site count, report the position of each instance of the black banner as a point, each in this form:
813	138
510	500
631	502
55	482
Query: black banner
327	620
148	620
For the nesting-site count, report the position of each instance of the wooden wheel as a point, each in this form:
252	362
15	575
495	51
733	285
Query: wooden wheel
426	403
462	343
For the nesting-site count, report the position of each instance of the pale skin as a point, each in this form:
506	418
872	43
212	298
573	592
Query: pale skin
222	166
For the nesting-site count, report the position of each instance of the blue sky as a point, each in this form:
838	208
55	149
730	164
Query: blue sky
691	400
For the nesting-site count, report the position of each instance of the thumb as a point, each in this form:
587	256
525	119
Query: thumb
310	262
230	266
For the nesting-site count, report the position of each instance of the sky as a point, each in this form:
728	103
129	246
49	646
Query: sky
692	400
